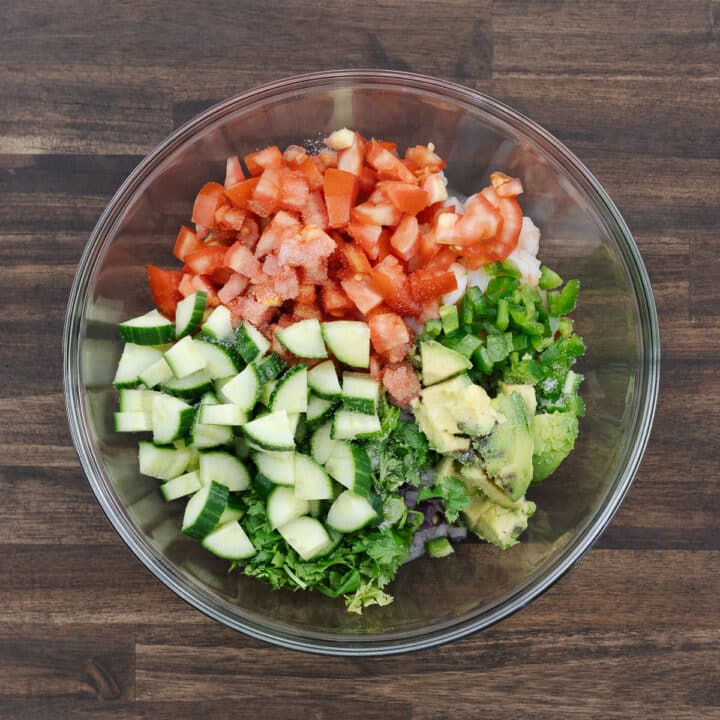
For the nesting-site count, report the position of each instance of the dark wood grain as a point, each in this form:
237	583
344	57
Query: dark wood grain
88	88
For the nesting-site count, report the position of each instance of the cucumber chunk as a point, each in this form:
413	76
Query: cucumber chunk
181	486
152	328
360	392
163	462
184	358
204	510
219	324
229	541
307	537
291	391
350	466
133	421
323	381
350	512
223	467
271	432
242	389
250	342
220	358
303	339
440	362
349	341
278	467
347	425
134	360
311	481
172	419
283	506
189	313
322	444
191	387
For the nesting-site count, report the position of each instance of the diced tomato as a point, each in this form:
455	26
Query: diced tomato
269	157
376	367
234	218
186	243
435	188
306	311
475	257
507	237
220	276
366	236
235	285
282	226
443	259
207	201
334	300
233	171
409	199
512	188
207	260
368	180
360	292
194	283
377	214
249	233
267	195
186	286
430	311
340	189
315	273
388	145
388	166
315	212
481	221
401	381
425	158
310	171
427	216
384	246
294	190
388	331
164	289
405	239
307	294
444	228
245	308
241	193
310	245
294	156
354	258
241	259
392	283
327	159
351	159
429	283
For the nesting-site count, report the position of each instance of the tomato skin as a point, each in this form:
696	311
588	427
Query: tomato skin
269	157
430	283
368	180
409	199
340	189
186	243
207	201
387	330
241	193
233	171
164	289
405	239
207	260
362	294
392	283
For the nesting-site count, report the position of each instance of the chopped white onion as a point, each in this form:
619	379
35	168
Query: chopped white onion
461	276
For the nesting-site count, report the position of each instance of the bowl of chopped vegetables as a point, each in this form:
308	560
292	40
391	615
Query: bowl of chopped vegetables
360	362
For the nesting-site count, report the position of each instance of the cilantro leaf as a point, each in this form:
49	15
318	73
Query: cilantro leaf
452	493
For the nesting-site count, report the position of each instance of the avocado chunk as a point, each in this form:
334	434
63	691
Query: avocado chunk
526	392
499	526
440	362
554	437
508	449
476	481
451	409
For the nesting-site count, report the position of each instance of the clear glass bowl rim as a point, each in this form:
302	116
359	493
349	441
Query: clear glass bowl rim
223	611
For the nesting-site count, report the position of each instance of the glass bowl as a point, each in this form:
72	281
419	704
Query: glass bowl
583	235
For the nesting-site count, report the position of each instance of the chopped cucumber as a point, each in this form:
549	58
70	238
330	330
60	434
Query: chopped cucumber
283	506
271	432
278	467
229	541
134	360
220	358
350	466
163	462
349	341
222	414
243	389
190	387
184	358
311	481
321	443
189	313
219	324
307	537
439	547
303	339
323	380
181	486
440	362
136	400
157	374
350	512
223	467
319	410
204	510
172	418
208	436
270	367
360	392
347	425
291	391
133	421
267	391
152	328
251	343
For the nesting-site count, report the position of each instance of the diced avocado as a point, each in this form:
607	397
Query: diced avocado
476	480
526	392
508	450
499	526
440	362
554	437
452	408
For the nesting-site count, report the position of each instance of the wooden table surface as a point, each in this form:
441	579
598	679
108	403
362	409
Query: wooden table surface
88	87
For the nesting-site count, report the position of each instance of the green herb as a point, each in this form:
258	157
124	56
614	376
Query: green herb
452	493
